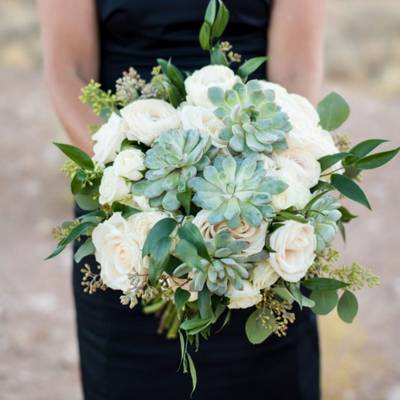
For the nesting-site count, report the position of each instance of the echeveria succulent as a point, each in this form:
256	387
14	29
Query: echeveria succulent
324	215
253	121
227	266
176	156
233	187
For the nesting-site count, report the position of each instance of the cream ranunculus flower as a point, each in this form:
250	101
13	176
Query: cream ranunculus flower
296	195
247	297
200	81
263	275
118	252
148	118
203	119
294	245
306	169
108	139
112	187
129	164
254	235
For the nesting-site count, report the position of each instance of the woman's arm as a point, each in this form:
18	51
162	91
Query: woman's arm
70	41
296	36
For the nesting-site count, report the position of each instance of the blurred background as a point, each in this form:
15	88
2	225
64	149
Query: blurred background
37	344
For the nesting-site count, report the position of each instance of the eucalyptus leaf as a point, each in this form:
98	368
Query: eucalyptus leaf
86	202
248	67
323	284
204	302
347	306
256	331
78	182
181	297
191	233
76	155
350	189
325	301
84	250
161	229
333	110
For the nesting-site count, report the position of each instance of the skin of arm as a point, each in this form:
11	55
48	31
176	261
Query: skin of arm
70	45
296	39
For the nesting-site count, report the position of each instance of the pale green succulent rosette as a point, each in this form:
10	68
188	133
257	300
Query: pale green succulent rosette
234	188
253	121
227	265
324	215
176	157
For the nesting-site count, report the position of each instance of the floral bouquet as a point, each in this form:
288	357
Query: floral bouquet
209	192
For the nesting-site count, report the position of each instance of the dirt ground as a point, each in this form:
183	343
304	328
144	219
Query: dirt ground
38	356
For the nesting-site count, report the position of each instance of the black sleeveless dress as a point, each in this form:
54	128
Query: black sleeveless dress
122	356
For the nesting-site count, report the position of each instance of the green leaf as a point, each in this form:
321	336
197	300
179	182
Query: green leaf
323	284
250	66
176	77
342	229
84	250
327	161
362	149
210	12
205	36
185	250
333	111
181	297
221	21
185	198
124	209
217	57
194	323
256	332
161	229
73	235
204	302
86	202
297	295
78	181
347	216
347	307
76	155
192	370
377	160
283	293
350	189
191	233
325	301
159	259
289	216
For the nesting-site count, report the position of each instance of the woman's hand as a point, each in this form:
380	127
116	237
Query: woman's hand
296	38
70	42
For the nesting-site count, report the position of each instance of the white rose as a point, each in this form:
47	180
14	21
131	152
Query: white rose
139	202
263	275
247	297
148	118
118	252
112	187
294	245
142	222
254	235
203	119
108	139
130	164
306	169
296	195
200	81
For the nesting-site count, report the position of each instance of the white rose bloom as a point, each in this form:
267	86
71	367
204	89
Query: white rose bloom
247	297
294	244
112	187
140	202
263	275
203	119
254	235
148	118
117	252
306	169
296	195
200	81
130	164
142	222
108	139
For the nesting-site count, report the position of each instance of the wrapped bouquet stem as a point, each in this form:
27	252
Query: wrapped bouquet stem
210	192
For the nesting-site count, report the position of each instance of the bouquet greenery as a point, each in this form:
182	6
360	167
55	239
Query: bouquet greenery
210	192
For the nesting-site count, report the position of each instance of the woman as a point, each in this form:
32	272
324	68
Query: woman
122	357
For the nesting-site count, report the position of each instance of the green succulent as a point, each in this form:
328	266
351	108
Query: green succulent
324	215
253	121
176	157
227	265
233	187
